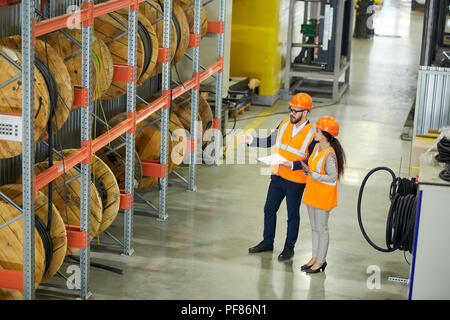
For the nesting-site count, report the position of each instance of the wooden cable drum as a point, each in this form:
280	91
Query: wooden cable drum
182	108
111	29
151	45
11	99
148	9
114	155
64	101
115	160
50	247
180	28
72	200
188	8
178	134
107	188
148	144
181	19
102	62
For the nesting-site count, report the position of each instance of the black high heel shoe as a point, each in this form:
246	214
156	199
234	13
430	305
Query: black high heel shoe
320	269
305	267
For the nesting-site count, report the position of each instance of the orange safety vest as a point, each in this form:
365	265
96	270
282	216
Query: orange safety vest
320	194
292	149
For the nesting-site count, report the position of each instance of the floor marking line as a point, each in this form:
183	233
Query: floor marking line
253	125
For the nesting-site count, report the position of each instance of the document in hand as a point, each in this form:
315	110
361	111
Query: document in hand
273	159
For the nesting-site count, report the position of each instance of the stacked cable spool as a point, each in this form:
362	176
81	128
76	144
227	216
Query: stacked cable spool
50	241
11	99
70	51
52	67
179	43
182	108
178	136
114	155
179	32
107	188
66	197
147	142
112	29
188	8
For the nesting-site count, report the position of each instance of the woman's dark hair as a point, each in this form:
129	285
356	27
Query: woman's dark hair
340	154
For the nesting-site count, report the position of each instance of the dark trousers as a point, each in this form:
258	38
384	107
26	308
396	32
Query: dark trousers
280	188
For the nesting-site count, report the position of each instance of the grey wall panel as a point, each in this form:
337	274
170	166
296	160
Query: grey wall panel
433	99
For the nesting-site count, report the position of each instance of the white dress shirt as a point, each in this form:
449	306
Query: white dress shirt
296	129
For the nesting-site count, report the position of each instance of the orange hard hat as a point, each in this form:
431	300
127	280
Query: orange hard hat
328	124
301	101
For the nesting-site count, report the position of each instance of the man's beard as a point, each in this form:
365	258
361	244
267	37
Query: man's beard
295	121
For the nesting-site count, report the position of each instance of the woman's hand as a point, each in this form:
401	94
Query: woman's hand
287	164
306	168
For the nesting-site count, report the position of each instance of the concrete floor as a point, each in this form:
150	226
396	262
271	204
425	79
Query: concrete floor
201	250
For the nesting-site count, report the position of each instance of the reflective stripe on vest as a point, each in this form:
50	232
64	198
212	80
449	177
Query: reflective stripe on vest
320	167
280	133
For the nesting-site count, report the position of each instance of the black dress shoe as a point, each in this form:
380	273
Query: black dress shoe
322	268
305	267
286	254
261	247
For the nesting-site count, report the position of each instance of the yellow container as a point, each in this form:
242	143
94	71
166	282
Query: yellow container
255	48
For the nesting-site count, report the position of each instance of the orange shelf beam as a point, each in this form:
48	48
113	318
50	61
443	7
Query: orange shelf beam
66	20
11	279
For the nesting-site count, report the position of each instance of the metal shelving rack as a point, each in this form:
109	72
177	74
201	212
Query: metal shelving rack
31	183
324	78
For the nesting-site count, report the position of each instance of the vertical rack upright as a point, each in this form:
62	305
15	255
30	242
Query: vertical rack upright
86	140
219	83
167	93
130	135
195	144
196	141
28	147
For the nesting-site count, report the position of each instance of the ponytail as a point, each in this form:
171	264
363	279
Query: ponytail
340	154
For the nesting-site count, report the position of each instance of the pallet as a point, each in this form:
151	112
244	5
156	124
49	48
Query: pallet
241	110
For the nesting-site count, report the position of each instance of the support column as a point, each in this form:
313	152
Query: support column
194	136
28	148
86	140
218	143
130	135
165	111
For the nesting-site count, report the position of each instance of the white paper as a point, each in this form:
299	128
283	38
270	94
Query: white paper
274	159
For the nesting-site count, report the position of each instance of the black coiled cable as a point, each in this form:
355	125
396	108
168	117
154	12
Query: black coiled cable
176	24
146	42
401	219
46	240
148	45
53	94
443	147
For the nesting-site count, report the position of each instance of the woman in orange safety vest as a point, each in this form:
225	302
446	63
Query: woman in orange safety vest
325	166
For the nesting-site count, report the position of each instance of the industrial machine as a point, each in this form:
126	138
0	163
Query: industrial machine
324	57
433	93
436	34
